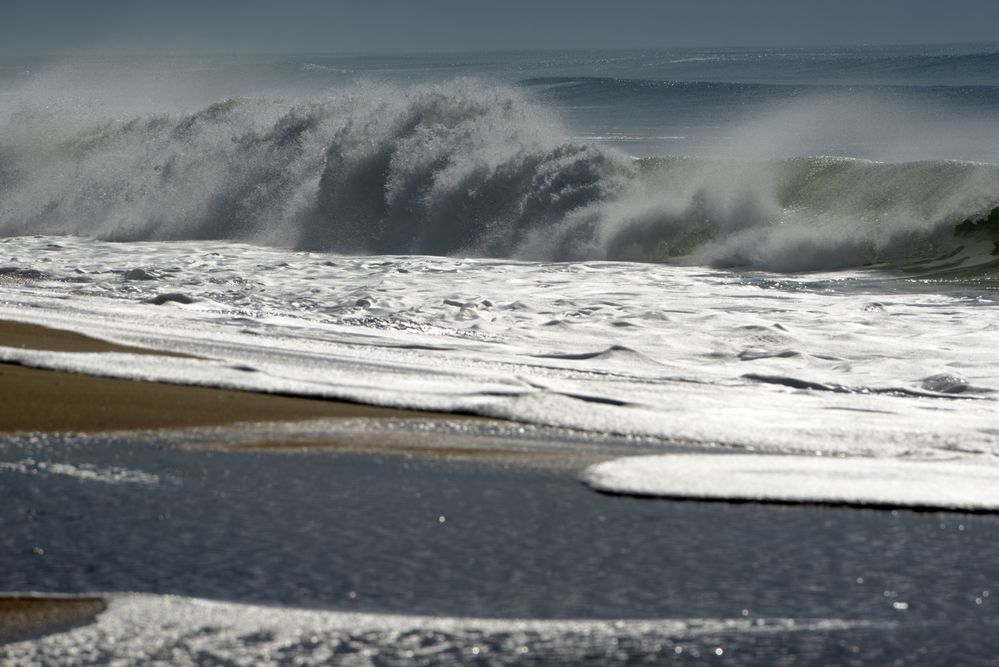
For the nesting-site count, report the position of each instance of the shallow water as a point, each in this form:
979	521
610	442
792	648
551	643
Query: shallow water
463	541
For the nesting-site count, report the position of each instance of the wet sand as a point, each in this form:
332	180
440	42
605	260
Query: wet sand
26	617
43	400
37	337
538	455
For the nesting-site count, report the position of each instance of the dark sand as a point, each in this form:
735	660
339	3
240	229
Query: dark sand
547	455
27	617
37	337
42	400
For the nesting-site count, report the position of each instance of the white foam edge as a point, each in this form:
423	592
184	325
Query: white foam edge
159	616
854	481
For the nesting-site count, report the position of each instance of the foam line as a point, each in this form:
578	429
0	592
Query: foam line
850	481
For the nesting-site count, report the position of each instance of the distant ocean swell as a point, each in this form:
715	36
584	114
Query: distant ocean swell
639	91
468	168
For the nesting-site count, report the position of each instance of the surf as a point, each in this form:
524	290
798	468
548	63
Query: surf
471	168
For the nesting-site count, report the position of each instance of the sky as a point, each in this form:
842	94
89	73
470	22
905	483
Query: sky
30	27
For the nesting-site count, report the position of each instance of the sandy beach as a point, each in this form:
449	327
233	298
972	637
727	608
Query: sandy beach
44	400
24	617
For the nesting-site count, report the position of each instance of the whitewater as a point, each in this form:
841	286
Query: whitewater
549	240
467	168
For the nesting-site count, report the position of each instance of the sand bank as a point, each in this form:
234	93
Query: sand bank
27	617
37	337
549	454
43	400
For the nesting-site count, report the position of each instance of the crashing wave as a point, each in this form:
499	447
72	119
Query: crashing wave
472	169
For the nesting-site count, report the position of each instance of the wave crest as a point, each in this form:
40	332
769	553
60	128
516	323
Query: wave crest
465	168
444	173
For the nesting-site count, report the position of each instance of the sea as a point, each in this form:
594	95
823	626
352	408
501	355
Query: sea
788	255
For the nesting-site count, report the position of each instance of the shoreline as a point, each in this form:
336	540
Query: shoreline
60	402
52	401
25	616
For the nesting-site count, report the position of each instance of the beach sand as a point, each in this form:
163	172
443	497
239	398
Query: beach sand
27	617
43	400
37	337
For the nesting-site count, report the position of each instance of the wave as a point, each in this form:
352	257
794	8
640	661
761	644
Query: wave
853	66
472	169
689	96
826	213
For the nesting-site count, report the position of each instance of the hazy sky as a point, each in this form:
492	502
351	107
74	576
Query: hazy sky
68	26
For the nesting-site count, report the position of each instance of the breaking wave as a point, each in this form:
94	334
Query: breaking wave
468	168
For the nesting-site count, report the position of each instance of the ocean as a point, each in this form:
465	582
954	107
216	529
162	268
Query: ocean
791	255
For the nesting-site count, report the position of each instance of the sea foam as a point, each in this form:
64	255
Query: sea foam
861	482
